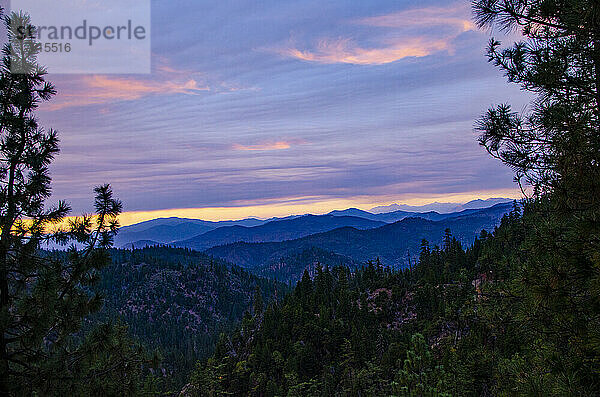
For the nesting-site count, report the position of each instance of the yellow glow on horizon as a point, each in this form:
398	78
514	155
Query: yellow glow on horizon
300	206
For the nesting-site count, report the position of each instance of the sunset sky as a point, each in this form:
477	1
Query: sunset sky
277	107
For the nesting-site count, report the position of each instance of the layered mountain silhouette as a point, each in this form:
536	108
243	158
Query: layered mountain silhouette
395	216
202	235
276	230
393	243
168	230
441	207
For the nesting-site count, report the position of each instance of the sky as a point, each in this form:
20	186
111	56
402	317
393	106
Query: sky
268	108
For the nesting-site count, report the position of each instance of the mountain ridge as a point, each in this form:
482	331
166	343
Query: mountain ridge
177	231
393	243
276	231
442	208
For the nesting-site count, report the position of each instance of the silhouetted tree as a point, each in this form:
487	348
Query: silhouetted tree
551	284
555	145
45	296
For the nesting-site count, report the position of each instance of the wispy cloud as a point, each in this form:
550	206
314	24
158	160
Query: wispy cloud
346	51
104	89
401	131
456	16
279	145
416	33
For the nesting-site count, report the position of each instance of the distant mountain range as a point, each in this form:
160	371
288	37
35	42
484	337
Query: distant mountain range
330	232
280	230
282	248
168	230
392	243
443	208
395	216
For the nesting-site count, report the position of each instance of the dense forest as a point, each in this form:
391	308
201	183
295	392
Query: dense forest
177	302
515	313
494	319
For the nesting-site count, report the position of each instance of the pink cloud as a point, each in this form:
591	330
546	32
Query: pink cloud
88	90
279	145
345	51
101	89
436	28
456	16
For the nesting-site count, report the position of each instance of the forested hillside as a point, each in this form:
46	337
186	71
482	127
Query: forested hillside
178	301
479	321
290	268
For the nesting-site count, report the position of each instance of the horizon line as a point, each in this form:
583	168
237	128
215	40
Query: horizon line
285	208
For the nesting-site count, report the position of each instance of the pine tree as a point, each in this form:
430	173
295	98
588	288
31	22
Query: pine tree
258	301
447	241
44	297
420	376
551	305
555	146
